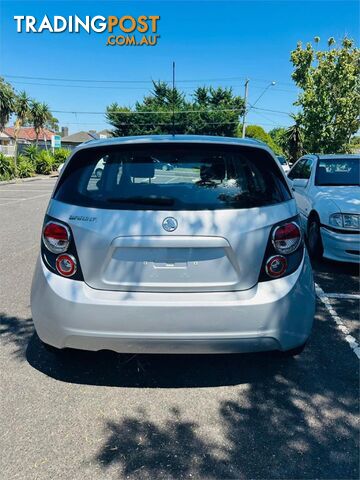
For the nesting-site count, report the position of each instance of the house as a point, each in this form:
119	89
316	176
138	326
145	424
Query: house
26	136
6	144
75	139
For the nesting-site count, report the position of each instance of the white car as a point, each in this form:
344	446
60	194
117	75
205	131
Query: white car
283	163
326	188
206	257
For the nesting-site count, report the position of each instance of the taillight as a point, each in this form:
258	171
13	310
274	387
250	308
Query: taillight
276	266
286	238
284	251
58	249
66	265
56	237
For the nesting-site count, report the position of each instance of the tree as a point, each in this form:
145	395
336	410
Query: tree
278	134
7	102
330	95
22	111
355	144
257	132
166	110
295	139
52	123
40	114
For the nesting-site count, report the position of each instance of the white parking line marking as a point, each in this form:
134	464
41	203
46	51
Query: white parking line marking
340	325
23	199
344	296
170	180
11	198
2	190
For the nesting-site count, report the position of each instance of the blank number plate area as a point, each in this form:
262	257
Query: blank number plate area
170	263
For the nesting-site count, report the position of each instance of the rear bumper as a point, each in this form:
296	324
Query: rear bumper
341	247
275	315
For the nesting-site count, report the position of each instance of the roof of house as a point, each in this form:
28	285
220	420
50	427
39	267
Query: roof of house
28	133
79	137
4	135
105	132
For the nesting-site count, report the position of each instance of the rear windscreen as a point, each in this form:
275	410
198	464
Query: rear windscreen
172	177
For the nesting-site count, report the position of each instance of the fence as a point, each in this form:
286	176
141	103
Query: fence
8	150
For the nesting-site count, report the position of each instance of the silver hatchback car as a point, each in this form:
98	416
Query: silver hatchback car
204	257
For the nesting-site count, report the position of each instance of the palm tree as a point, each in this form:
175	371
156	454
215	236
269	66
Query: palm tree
40	114
22	111
7	103
295	139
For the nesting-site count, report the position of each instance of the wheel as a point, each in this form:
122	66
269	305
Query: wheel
315	245
98	172
293	352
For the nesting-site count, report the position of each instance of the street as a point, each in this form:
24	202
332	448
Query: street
107	416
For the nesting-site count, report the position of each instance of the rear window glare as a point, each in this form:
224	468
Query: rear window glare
172	177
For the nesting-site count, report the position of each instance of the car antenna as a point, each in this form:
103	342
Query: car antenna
173	99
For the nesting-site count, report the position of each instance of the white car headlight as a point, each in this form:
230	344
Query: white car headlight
351	220
345	220
336	220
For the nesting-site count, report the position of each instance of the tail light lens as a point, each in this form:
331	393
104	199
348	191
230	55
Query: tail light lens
58	249
276	266
56	237
284	251
286	238
66	265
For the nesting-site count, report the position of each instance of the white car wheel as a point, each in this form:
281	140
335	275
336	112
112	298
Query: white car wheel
314	238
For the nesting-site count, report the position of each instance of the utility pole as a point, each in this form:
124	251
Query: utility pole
245	98
173	100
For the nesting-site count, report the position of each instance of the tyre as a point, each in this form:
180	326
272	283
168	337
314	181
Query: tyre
315	245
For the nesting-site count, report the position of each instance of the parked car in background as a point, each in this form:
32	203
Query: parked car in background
283	163
165	166
326	188
196	260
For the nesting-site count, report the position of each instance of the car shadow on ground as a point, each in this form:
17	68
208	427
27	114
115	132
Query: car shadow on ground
336	277
150	371
294	419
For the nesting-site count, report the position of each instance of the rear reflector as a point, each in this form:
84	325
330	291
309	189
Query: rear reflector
286	238
66	265
276	266
56	237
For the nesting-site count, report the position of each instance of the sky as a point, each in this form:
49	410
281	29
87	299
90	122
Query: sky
219	43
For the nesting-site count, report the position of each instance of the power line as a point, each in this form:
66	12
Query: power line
115	87
87	80
79	86
153	112
270	110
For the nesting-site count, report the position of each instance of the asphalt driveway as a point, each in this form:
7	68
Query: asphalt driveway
108	416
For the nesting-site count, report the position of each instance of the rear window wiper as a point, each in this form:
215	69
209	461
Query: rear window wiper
143	200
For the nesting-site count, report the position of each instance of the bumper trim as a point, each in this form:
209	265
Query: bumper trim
338	246
174	346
